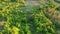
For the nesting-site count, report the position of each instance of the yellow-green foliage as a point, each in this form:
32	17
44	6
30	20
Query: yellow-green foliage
22	22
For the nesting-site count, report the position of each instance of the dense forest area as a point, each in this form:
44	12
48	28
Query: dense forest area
29	16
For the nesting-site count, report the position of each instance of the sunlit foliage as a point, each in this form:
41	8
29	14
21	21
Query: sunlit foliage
18	21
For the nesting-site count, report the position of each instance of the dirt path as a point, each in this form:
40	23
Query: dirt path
30	5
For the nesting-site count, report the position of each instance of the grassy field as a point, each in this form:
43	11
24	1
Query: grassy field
29	16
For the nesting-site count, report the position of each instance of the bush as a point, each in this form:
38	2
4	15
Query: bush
23	22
